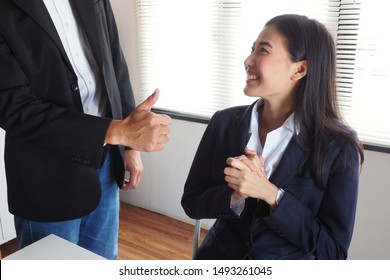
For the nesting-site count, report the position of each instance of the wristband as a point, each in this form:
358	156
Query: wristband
279	196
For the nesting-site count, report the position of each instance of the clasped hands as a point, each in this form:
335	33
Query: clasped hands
246	176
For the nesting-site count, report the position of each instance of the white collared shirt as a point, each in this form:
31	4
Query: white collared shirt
80	56
273	150
276	141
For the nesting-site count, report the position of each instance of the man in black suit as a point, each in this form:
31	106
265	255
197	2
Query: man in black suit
72	129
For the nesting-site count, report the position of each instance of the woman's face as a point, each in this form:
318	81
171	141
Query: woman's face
271	74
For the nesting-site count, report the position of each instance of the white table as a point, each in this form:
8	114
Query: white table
53	247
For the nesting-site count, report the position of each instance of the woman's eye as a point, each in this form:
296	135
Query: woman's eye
263	50
259	50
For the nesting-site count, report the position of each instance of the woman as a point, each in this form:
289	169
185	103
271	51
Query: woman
281	175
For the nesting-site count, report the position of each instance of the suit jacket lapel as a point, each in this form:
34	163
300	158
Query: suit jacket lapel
239	137
292	160
38	12
86	16
238	134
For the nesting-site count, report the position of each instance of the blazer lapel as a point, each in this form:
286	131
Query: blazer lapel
38	12
238	134
292	160
239	137
86	15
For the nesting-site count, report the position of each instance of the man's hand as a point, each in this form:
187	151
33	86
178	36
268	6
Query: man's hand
142	130
133	164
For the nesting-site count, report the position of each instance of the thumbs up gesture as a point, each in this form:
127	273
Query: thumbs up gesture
148	104
142	130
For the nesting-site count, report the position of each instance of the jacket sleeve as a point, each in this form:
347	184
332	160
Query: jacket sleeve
59	130
327	233
206	194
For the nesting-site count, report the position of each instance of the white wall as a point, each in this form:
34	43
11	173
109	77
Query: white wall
165	172
372	228
7	230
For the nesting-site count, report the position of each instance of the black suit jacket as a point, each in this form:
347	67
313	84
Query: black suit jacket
53	149
308	223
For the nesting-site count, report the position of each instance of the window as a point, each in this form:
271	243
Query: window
363	72
194	52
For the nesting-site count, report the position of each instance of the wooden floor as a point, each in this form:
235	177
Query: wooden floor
145	235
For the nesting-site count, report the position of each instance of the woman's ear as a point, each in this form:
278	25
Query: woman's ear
301	70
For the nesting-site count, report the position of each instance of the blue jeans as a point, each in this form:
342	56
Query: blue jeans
97	232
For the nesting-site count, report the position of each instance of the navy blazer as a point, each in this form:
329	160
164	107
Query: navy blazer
53	149
308	223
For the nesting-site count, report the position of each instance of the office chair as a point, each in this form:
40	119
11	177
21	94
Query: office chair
196	238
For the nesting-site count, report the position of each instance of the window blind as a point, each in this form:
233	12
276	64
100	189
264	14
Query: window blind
194	51
363	73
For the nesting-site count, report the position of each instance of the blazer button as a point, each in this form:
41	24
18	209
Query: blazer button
74	87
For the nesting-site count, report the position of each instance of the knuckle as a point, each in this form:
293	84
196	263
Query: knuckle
150	146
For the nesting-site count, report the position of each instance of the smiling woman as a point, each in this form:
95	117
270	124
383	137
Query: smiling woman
280	176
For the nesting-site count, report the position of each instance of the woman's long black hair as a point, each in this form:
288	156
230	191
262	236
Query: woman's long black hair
317	111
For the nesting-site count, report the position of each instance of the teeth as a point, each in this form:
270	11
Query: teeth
252	77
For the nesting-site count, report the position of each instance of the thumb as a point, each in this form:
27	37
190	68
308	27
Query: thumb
252	155
148	104
248	152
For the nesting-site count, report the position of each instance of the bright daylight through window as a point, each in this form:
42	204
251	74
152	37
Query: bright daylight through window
194	52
